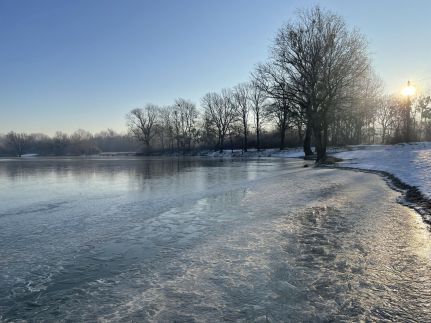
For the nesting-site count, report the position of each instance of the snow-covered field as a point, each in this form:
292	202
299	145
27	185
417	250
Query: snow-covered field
411	163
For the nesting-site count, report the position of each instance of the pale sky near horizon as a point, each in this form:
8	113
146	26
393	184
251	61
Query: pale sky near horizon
66	65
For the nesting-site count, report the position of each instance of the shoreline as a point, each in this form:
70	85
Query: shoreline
411	196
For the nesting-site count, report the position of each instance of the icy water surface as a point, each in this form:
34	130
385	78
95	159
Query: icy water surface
206	240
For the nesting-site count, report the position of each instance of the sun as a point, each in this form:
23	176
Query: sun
409	90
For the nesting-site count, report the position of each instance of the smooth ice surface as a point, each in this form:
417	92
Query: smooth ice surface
128	239
409	162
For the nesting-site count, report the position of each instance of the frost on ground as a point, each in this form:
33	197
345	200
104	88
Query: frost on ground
411	163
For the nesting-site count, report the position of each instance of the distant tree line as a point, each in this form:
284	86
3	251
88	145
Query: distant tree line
80	142
317	88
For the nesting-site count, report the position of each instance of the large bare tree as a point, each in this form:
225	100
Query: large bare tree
321	59
142	124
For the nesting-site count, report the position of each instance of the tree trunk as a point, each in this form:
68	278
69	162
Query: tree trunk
245	140
282	136
320	148
383	135
307	140
221	142
147	147
231	142
257	131
358	133
258	139
320	131
300	136
162	141
283	128
407	122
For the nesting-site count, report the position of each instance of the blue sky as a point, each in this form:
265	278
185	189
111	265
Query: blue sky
66	65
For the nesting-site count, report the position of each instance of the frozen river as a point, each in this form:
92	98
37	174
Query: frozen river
128	239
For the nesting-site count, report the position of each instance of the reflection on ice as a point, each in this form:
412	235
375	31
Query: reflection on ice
207	240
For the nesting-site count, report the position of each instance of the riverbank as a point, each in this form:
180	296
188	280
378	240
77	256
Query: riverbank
406	166
254	153
411	196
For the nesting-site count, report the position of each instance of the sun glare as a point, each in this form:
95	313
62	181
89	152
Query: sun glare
409	90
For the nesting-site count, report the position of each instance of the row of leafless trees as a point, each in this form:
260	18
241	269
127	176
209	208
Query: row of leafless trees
240	117
232	115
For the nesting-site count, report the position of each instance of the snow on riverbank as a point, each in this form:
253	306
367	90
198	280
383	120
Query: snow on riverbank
411	163
293	152
251	153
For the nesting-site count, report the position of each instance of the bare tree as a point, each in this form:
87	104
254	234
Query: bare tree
386	114
241	95
142	124
166	127
273	81
209	132
424	109
257	99
220	110
407	120
185	117
321	59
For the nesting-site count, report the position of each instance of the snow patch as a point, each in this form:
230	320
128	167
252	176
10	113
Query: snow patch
411	163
